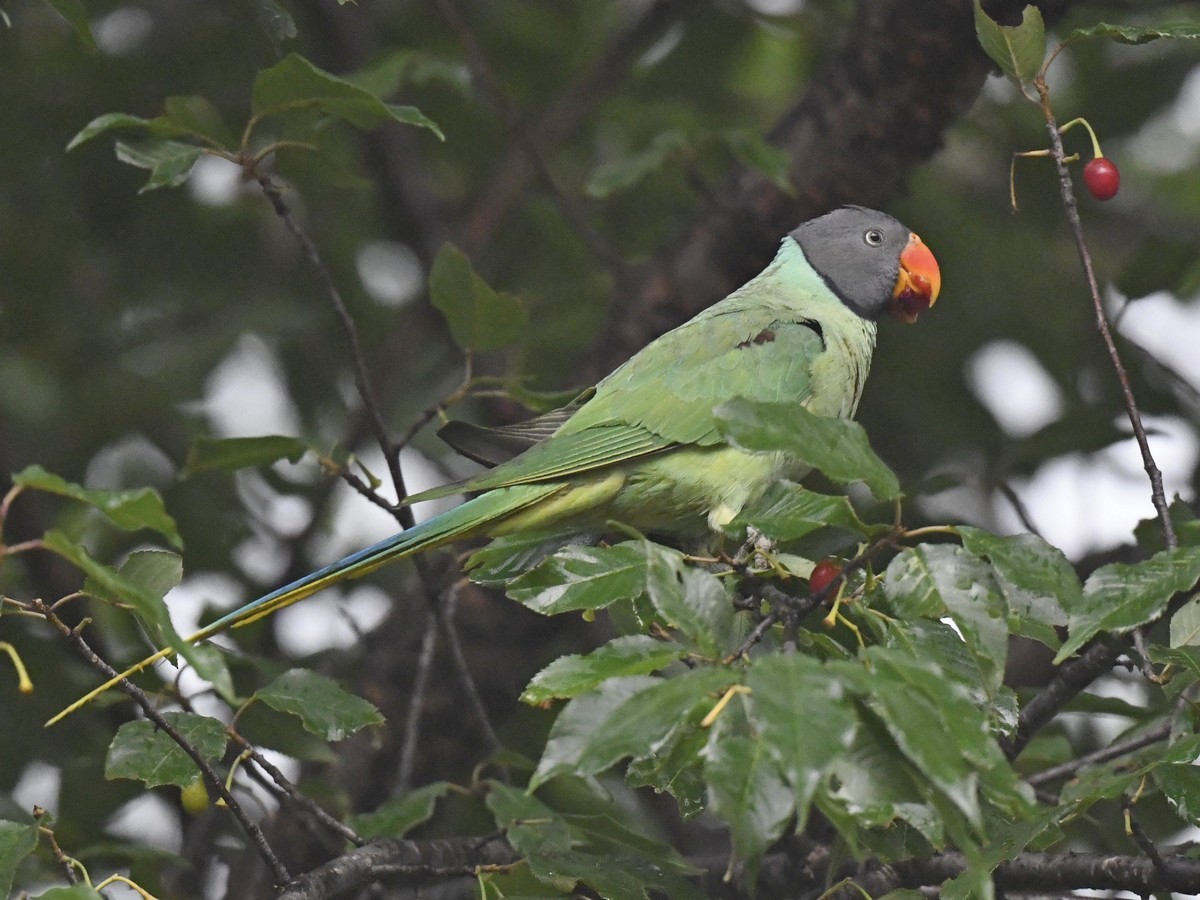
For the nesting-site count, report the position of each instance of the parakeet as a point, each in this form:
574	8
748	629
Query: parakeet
643	447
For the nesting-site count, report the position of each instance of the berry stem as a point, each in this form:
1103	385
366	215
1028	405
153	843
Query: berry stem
1096	151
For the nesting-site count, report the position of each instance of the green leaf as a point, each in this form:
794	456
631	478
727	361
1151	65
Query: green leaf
1138	34
569	676
1036	579
231	454
277	22
805	718
196	116
1185	625
675	768
579	577
325	708
626	717
479	317
129	510
295	84
1017	49
692	600
623	174
107	122
838	447
182	117
935	580
755	152
76	15
788	511
511	555
533	828
157	571
17	841
397	817
169	162
1119	597
137	584
1180	783
934	723
596	850
747	792
142	752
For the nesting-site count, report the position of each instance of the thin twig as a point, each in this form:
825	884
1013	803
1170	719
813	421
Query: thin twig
305	802
215	783
1104	754
1071	678
1143	841
66	863
1157	494
445	613
1014	500
402	514
412	721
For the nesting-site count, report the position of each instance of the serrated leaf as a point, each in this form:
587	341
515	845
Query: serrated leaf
754	151
169	162
480	318
936	725
596	850
1036	579
1138	34
140	751
129	510
748	793
1180	783
295	84
625	717
692	600
17	841
579	577
788	511
1119	597
231	454
675	768
805	718
76	15
622	174
397	817
511	555
1017	49
1185	625
935	580
838	447
324	707
569	676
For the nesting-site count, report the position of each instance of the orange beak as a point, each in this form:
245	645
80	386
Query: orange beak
919	282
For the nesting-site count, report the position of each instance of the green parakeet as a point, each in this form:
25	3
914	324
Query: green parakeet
643	446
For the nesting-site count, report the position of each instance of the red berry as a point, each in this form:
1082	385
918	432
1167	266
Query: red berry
1102	178
823	574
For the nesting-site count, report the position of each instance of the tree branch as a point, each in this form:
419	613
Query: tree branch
413	861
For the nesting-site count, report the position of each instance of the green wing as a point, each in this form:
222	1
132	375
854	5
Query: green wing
664	396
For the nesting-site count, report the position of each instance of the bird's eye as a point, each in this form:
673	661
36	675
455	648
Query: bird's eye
874	237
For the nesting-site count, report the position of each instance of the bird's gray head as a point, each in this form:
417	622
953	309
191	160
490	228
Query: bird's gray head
872	262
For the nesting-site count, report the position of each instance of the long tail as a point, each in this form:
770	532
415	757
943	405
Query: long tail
466	520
